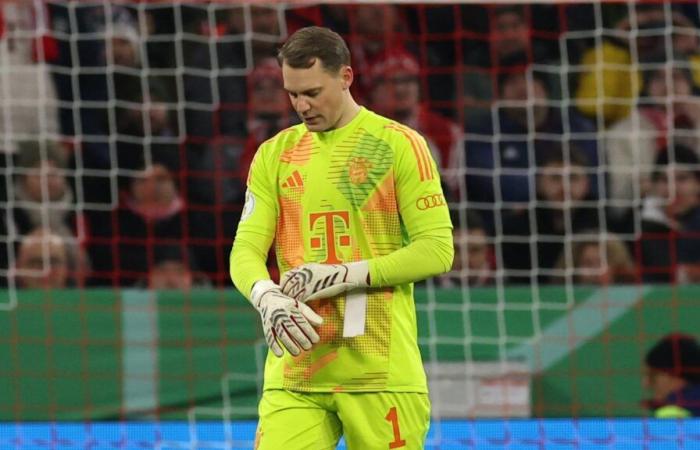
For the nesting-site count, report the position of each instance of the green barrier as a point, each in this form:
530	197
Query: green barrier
106	354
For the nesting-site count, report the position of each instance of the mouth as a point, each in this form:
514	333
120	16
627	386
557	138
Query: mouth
311	119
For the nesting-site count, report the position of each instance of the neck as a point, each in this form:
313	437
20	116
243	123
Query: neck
349	112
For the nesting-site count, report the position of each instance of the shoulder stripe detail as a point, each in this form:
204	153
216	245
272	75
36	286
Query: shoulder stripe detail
419	151
301	152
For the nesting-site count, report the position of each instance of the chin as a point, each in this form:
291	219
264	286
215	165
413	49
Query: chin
317	128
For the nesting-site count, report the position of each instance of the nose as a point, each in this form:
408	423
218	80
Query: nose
302	105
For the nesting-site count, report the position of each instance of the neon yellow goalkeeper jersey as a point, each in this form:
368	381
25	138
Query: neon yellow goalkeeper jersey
350	194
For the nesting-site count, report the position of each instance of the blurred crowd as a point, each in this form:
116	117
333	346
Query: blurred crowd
568	136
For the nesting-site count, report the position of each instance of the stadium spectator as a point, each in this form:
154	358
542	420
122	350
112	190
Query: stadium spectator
122	48
375	29
607	88
632	144
473	263
174	267
268	108
114	85
27	92
215	91
113	44
147	127
145	124
501	149
672	375
670	243
42	193
533	238
49	259
148	114
600	261
509	33
509	29
395	93
215	110
151	212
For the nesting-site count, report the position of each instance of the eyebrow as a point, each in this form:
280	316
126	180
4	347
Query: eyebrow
306	91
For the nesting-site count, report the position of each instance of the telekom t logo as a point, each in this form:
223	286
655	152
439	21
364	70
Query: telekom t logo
343	239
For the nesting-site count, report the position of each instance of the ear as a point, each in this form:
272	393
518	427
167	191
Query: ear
347	76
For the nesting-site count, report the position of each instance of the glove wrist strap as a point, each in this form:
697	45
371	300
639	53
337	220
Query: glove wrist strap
259	289
358	272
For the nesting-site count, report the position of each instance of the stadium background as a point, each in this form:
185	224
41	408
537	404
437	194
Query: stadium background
127	129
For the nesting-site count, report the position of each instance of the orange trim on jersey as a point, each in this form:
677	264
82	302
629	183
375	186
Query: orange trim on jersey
384	196
289	240
424	152
300	153
294	180
419	150
320	363
297	178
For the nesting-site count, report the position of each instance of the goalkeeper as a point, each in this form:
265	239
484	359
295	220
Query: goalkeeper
354	205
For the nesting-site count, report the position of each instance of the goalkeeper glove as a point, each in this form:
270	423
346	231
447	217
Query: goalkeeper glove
312	281
284	319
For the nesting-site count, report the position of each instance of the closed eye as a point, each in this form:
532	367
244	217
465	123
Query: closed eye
310	93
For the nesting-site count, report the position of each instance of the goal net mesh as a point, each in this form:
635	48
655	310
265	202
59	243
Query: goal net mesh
568	139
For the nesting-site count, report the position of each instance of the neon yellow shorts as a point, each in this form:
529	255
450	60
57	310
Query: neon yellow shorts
368	421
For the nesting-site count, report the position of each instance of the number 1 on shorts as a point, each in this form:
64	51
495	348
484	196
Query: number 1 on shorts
393	417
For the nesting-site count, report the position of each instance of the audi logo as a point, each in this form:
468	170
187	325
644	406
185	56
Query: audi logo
430	201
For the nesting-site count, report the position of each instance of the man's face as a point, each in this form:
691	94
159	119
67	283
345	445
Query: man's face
552	187
396	95
659	88
681	187
46	174
267	97
170	275
155	187
317	96
515	89
592	265
660	383
511	34
375	21
473	243
158	114
43	262
124	53
265	20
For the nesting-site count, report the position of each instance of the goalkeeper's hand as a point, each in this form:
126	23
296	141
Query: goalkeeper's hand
284	319
312	281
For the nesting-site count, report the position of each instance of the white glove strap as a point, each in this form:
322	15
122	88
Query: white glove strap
358	272
355	313
356	300
259	288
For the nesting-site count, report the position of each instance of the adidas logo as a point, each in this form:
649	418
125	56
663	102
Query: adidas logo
294	180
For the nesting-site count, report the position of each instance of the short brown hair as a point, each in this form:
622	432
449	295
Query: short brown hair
310	43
